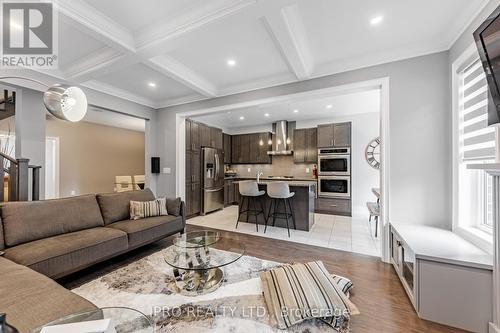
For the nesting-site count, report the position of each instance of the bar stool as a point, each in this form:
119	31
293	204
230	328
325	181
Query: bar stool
280	192
249	191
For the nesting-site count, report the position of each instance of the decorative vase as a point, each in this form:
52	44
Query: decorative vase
4	327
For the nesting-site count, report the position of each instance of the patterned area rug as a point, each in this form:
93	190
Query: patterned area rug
237	306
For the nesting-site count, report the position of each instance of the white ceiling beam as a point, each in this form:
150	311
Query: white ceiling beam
287	30
175	70
102	60
91	21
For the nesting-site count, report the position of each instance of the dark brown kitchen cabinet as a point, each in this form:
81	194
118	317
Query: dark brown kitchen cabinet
342	135
216	138
226	138
192	135
193	166
250	148
228	193
193	198
305	145
325	136
334	135
205	135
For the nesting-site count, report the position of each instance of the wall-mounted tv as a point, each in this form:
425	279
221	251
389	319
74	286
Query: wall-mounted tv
487	38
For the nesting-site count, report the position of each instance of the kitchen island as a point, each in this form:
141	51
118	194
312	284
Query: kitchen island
302	204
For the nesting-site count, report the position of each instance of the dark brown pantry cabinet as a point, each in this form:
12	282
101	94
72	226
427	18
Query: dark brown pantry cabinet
305	145
334	135
227	148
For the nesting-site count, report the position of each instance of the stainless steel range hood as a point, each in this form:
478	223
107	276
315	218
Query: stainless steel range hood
282	133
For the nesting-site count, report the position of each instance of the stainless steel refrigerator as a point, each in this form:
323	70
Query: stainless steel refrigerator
213	179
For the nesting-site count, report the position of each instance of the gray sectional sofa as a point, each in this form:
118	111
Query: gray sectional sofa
44	240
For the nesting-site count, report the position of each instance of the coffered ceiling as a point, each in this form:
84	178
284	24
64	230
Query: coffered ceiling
165	52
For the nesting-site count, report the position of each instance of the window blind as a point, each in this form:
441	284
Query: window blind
476	138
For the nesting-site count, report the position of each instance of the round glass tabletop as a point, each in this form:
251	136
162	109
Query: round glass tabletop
124	320
199	251
196	239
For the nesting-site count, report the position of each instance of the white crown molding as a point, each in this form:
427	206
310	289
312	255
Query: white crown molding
155	39
375	59
91	21
123	94
463	23
179	101
175	70
286	29
272	81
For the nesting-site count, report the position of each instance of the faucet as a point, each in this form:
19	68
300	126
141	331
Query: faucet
259	173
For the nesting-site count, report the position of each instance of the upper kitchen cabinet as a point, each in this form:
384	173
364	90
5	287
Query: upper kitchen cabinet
192	135
226	138
305	145
342	135
205	135
247	148
334	135
325	136
216	138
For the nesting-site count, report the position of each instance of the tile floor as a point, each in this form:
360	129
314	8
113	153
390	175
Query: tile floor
331	231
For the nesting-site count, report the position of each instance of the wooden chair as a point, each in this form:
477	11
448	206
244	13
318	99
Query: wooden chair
123	183
139	181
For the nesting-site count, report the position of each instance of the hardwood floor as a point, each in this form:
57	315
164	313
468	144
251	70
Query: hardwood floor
377	291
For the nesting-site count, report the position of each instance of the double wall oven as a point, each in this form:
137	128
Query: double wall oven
334	172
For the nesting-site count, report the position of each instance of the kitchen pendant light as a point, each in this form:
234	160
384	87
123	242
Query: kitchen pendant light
261	142
62	101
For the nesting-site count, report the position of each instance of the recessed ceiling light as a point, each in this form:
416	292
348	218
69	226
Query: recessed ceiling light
295	111
266	114
152	84
376	20
242	118
329	106
231	62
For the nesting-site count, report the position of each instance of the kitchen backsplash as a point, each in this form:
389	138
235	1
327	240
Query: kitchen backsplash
281	166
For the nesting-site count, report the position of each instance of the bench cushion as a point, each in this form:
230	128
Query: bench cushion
146	230
31	300
60	255
116	206
32	220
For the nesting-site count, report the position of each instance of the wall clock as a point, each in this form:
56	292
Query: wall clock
372	153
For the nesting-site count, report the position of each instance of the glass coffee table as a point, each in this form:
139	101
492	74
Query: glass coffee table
125	320
198	258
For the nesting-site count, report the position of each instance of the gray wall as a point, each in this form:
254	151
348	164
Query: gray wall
420	179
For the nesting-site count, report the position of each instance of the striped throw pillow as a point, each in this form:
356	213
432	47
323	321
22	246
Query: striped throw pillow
143	209
294	293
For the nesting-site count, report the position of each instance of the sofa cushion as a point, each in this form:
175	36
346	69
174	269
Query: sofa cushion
60	255
174	206
146	230
31	220
116	206
31	300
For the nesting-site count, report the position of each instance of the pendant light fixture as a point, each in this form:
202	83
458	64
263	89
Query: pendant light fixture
62	101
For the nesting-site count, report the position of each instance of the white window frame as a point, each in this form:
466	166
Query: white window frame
475	234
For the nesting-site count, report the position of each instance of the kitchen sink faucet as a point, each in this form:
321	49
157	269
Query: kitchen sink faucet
259	173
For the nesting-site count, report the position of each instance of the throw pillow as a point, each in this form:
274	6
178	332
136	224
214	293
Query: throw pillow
294	293
143	209
174	206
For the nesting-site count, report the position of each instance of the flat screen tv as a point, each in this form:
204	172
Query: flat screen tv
487	38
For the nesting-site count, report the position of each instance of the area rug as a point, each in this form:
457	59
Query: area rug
237	306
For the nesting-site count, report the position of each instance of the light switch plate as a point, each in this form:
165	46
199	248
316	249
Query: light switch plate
307	170
249	170
168	171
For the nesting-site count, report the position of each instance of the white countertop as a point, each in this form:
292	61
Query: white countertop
436	244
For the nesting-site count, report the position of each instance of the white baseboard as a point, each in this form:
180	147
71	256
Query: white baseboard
493	328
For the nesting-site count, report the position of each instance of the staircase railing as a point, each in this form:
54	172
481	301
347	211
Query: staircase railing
18	171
